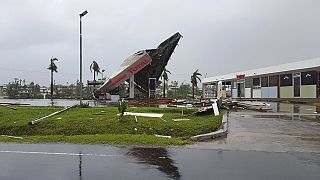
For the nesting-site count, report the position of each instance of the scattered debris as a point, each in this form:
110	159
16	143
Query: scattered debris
205	111
142	114
162	136
59	118
252	105
8	106
163	119
135	117
215	108
135	129
50	115
15	137
176	120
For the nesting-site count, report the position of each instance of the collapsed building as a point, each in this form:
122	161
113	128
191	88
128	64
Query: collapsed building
141	70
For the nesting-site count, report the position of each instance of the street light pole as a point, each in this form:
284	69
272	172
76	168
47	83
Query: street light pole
81	15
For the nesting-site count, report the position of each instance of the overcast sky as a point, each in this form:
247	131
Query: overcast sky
219	36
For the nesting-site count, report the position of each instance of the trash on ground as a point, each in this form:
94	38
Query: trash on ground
205	111
176	120
142	114
15	137
50	115
215	108
162	136
252	105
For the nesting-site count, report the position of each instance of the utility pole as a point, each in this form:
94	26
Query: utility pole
81	15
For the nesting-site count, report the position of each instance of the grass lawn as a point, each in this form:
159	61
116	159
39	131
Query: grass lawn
102	125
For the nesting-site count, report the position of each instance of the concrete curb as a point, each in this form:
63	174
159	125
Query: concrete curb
223	131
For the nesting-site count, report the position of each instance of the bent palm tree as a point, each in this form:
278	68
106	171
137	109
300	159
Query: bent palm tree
194	80
96	70
53	68
165	78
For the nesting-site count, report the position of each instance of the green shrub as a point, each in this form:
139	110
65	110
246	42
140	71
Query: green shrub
122	106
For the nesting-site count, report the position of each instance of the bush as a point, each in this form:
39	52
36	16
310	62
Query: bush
83	105
122	106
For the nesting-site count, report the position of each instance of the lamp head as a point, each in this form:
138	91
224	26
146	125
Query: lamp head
83	13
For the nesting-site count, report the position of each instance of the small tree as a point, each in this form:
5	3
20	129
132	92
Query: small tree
95	69
194	80
122	106
165	78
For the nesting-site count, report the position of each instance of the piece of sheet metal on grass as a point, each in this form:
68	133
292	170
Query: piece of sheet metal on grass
143	114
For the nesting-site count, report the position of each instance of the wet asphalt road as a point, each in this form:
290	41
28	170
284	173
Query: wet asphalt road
269	132
258	146
65	161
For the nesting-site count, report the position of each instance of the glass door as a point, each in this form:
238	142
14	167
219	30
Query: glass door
240	88
296	85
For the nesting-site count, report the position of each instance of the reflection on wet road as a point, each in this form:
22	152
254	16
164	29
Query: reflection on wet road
66	161
282	145
158	157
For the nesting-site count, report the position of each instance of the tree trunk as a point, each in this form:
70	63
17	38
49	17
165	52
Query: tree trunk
164	89
94	79
192	91
51	85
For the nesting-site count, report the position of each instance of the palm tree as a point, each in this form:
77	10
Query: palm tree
96	69
165	78
194	80
53	68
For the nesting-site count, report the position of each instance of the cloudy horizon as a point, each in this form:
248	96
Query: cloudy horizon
219	37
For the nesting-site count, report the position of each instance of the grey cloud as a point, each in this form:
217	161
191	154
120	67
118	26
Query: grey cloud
219	36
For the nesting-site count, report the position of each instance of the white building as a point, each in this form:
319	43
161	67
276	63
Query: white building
297	80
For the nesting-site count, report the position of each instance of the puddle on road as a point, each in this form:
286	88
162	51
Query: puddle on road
158	157
288	117
293	108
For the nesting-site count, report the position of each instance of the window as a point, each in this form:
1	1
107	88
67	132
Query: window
234	85
286	80
256	81
308	78
264	81
273	81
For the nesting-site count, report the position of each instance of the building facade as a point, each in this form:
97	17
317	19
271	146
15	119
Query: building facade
297	80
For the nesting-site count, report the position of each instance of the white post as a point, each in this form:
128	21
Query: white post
219	90
131	87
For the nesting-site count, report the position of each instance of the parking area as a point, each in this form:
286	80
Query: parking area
290	128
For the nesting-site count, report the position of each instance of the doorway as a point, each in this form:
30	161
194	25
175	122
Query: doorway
240	87
296	84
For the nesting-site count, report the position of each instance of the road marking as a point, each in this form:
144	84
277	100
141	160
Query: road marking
58	153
